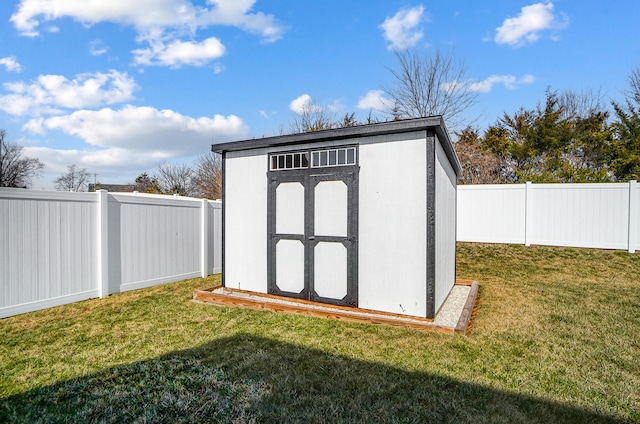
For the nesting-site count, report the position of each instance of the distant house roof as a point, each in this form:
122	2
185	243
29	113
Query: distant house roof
117	188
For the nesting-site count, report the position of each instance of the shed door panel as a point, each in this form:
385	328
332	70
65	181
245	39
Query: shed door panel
330	204
290	265
312	235
330	270
290	208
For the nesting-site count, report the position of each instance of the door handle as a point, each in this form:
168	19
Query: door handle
311	238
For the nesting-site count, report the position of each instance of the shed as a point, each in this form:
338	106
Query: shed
361	216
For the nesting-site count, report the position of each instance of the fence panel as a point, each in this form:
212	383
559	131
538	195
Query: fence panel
58	248
159	239
578	215
215	237
47	254
491	213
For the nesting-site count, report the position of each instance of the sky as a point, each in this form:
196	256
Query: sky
119	87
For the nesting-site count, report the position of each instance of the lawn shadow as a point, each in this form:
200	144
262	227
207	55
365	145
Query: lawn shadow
245	378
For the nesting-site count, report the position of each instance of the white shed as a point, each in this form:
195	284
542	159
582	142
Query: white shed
361	216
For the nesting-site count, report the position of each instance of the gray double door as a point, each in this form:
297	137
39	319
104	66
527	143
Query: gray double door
312	226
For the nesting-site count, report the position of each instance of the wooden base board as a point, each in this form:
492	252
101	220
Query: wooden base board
241	298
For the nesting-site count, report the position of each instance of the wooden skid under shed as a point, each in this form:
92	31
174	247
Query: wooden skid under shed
219	295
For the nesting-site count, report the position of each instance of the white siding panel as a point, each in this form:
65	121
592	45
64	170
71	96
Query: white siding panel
491	213
245	262
581	215
392	224
445	266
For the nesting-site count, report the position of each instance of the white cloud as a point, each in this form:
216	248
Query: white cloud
160	23
179	53
509	82
121	144
95	160
526	28
301	104
401	30
375	100
141	130
11	64
218	68
51	94
97	48
142	14
236	13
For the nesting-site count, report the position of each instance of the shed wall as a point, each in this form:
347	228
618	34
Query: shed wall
445	233
245	220
392	224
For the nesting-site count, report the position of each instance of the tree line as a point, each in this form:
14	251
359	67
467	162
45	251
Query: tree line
203	179
568	137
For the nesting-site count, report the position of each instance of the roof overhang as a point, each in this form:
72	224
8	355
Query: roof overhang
435	123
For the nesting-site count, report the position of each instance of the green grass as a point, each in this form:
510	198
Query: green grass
556	338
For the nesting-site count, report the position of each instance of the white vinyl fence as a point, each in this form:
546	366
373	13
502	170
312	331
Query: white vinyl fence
603	216
58	248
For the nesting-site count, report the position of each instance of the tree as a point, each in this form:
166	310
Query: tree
626	158
175	179
580	104
550	144
430	85
146	184
76	179
632	93
15	170
479	166
208	176
312	117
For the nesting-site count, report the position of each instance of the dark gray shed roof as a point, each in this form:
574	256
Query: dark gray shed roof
435	123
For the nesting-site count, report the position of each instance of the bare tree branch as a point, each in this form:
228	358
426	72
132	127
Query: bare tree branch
580	104
429	86
208	176
76	179
15	170
312	117
175	179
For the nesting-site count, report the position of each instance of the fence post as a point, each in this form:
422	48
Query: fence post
204	239
528	215
633	215
103	243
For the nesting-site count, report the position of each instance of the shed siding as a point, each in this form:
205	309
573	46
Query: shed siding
392	223
245	220
445	266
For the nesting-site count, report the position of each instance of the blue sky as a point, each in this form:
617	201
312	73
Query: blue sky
121	86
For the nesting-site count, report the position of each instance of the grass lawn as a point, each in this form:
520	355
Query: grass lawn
556	339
